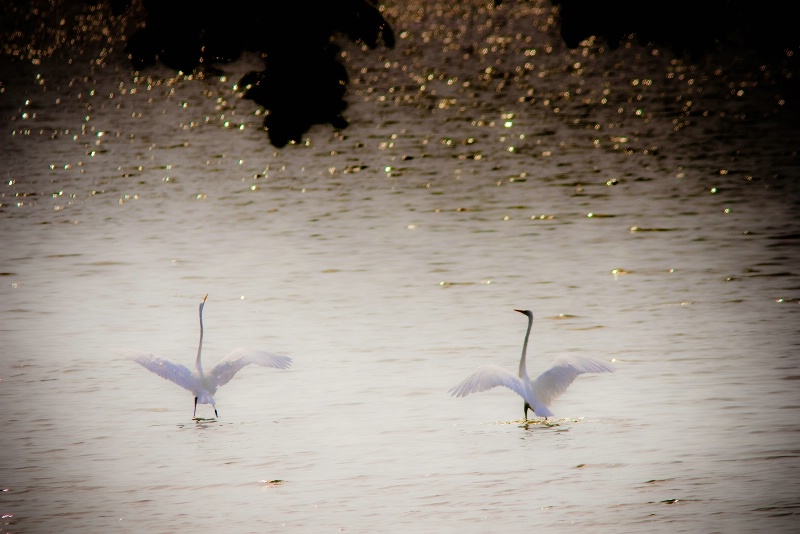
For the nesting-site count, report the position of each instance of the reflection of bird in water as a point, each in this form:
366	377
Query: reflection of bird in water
202	384
540	393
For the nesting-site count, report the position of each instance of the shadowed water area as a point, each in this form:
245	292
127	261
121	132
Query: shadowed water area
641	202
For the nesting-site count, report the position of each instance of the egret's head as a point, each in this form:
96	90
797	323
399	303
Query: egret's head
526	312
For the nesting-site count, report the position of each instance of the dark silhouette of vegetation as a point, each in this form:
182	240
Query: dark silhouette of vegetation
303	82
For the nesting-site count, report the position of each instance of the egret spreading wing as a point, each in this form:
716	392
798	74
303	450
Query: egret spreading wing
487	377
562	372
227	367
538	394
163	367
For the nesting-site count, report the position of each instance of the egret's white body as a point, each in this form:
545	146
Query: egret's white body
540	393
203	384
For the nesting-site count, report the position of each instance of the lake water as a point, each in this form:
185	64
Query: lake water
386	260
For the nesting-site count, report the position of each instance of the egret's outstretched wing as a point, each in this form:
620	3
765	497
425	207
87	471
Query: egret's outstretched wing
487	377
227	367
163	367
562	372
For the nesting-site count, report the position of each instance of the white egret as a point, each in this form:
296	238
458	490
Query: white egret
202	384
540	393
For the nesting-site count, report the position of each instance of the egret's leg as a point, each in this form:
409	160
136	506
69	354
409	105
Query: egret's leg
195	408
215	410
527	407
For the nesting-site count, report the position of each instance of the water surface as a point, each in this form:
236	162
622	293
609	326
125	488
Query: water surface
387	260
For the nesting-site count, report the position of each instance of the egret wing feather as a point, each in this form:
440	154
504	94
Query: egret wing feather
549	385
163	367
487	377
227	367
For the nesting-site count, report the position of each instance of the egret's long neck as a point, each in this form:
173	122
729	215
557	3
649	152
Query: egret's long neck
523	372
198	364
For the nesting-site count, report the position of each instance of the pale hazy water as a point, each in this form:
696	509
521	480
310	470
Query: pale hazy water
387	261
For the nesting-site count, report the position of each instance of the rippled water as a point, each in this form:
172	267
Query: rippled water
387	260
